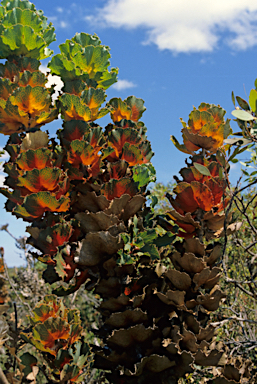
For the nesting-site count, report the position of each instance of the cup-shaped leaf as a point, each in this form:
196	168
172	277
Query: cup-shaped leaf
36	204
116	188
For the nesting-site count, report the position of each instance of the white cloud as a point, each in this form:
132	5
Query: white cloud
123	84
3	158
63	24
185	25
2	179
52	80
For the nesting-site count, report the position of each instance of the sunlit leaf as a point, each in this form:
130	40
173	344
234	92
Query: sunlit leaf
202	169
242	115
253	100
117	188
74	109
36	204
52	330
36	180
242	103
31	100
39	158
49	239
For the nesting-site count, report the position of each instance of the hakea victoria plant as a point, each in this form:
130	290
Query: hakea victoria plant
84	198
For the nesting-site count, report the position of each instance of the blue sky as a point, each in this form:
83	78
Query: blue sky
173	54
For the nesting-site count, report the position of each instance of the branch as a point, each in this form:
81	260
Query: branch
3	379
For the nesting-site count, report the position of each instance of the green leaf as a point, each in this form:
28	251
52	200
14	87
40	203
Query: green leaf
233	98
125	258
151	250
202	169
221	175
149	236
242	103
163	241
253	100
243	115
28	360
144	174
221	158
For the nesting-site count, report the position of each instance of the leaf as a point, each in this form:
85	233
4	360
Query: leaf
36	204
253	100
137	107
117	188
144	174
29	361
36	180
221	175
233	98
39	158
31	100
221	158
163	241
22	40
151	250
49	239
242	103
73	108
235	141
202	169
242	115
53	329
148	236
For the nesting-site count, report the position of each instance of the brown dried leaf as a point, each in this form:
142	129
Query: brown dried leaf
206	333
118	205
96	246
194	246
189	262
32	375
206	142
180	280
188	341
91	202
187	219
153	363
127	337
176	298
133	206
192	324
115	304
127	318
94	222
215	254
109	288
232	228
34	140
172	348
207	277
211	301
211	359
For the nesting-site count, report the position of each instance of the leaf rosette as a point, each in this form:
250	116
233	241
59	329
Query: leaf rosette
24	31
83	58
25	102
206	129
56	333
39	185
200	195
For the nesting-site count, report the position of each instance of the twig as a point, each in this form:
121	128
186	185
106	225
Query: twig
16	293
